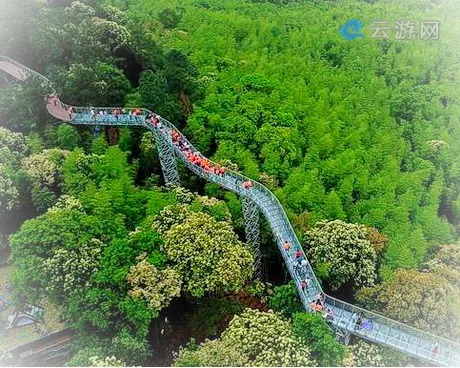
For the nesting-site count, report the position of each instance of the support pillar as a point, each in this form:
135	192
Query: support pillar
167	159
97	131
252	229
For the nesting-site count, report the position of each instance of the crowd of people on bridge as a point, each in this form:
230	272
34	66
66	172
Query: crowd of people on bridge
300	265
193	157
99	114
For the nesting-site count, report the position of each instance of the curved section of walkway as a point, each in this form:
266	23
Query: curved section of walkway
374	328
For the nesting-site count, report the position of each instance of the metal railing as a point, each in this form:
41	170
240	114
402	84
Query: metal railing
383	330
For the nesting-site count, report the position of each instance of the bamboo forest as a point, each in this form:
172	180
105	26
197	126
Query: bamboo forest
229	183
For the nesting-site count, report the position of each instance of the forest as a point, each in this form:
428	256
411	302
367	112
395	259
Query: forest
358	139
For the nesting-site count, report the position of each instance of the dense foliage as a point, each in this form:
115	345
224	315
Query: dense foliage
341	253
211	353
319	338
358	139
363	354
360	131
157	287
208	255
253	338
427	300
285	300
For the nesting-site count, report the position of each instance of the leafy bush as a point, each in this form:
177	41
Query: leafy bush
285	300
421	299
211	353
267	340
129	349
319	338
210	313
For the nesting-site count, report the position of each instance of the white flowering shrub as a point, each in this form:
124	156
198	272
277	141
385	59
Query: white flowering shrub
15	142
183	195
169	216
363	354
254	338
44	167
70	270
268	180
266	339
67	202
425	300
9	195
344	250
212	206
211	353
446	263
208	254
189	202
156	287
106	362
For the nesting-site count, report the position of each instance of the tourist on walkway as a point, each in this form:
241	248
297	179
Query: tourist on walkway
358	323
247	185
317	305
70	112
304	284
329	315
286	246
367	325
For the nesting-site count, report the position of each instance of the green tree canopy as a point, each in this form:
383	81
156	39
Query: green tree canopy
211	353
319	338
285	300
344	250
157	287
208	254
421	299
253	338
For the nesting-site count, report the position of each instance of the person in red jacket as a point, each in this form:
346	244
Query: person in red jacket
247	185
154	120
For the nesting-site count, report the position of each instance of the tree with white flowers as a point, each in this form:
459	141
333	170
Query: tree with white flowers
44	167
342	253
208	254
156	287
15	142
363	354
211	353
9	195
254	338
70	270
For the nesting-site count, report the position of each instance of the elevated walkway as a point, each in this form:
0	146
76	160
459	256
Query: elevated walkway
376	328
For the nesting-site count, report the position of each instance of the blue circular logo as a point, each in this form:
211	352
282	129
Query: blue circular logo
349	29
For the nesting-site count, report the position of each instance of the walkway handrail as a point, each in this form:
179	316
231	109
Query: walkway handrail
282	230
30	72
